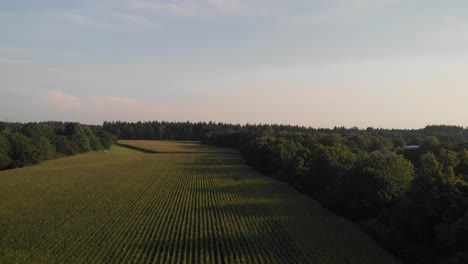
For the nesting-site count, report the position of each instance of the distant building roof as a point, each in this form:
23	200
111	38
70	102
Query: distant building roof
410	147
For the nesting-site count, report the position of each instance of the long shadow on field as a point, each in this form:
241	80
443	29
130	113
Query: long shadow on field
147	151
186	148
210	159
215	248
271	218
193	147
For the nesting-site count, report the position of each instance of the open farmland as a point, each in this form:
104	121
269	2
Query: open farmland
163	146
132	207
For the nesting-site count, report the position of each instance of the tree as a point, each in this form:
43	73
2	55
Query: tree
64	146
94	141
269	154
359	141
434	199
5	159
462	167
106	138
42	150
332	139
78	137
37	130
380	143
399	142
378	181
431	143
329	166
21	150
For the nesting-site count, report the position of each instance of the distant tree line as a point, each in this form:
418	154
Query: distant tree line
413	201
451	136
27	144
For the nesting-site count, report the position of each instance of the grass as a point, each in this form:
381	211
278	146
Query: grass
131	207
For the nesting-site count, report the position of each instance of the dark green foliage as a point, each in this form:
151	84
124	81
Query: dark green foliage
359	141
379	181
399	142
161	130
38	130
235	135
5	159
94	141
330	168
28	144
462	166
78	138
106	138
64	146
332	139
431	143
228	138
42	150
21	150
271	155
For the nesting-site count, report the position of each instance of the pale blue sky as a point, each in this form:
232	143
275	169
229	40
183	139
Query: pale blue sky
320	63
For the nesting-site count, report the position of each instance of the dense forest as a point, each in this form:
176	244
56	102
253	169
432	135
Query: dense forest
27	144
406	188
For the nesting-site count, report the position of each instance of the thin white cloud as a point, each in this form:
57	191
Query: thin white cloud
15	61
102	108
85	21
136	20
16	50
124	103
60	100
190	9
96	109
317	11
451	30
110	18
226	5
340	10
183	9
116	21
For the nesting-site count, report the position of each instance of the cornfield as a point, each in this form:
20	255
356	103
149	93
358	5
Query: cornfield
133	207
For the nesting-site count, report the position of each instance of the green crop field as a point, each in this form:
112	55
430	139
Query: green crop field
162	146
128	206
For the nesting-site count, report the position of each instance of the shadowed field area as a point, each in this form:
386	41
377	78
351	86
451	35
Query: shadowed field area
165	146
131	207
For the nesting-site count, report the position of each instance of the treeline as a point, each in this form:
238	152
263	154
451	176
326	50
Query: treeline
407	188
160	130
27	144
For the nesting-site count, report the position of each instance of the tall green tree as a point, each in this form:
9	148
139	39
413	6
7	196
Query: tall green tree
21	150
378	181
106	138
78	138
38	130
431	143
42	150
94	141
5	159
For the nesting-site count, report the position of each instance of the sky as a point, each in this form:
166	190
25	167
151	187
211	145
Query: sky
319	63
